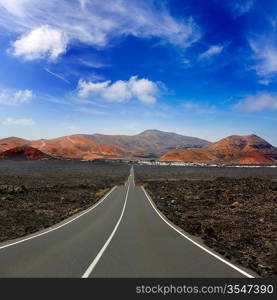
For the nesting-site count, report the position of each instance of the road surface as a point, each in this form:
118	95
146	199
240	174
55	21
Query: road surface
122	236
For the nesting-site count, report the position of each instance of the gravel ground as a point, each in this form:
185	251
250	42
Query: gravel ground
145	173
36	195
234	215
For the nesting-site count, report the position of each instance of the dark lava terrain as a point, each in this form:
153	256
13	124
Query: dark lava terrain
145	172
37	194
236	216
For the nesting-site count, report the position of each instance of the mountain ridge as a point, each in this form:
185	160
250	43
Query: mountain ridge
234	149
147	144
153	144
23	153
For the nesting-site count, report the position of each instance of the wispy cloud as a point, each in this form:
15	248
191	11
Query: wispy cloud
120	91
265	57
258	102
91	111
242	7
212	51
9	97
92	63
264	81
199	108
48	28
18	122
57	75
155	114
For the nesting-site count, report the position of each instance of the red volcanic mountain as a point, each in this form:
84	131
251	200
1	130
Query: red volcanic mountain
11	142
235	149
249	149
189	155
78	146
150	143
23	153
74	146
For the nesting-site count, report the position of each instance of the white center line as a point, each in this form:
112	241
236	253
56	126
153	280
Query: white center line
100	253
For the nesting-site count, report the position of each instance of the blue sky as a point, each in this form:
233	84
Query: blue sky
195	67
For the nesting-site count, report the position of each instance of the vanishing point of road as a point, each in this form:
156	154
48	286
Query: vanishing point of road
124	236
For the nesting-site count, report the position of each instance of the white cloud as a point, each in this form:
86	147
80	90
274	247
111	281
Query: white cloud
23	96
258	102
15	97
83	3
17	7
265	56
120	91
93	64
18	122
243	7
86	87
211	52
42	42
47	28
264	81
199	108
186	63
91	111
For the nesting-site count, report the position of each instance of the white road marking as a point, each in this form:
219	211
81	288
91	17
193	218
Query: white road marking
195	243
55	228
101	252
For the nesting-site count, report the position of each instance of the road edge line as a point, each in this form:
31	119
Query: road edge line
195	243
101	252
63	224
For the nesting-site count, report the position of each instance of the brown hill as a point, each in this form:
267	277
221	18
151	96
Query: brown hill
74	146
11	142
189	155
150	143
235	145
253	158
77	146
235	149
23	153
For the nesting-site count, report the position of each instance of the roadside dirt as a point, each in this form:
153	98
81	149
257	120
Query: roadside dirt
146	173
235	217
36	195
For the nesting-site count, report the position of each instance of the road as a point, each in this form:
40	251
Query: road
122	236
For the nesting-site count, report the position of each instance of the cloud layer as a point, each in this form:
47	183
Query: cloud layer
9	97
242	7
265	55
47	28
199	109
211	52
143	89
18	122
258	102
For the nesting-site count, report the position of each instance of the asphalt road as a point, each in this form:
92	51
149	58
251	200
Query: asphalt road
122	236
